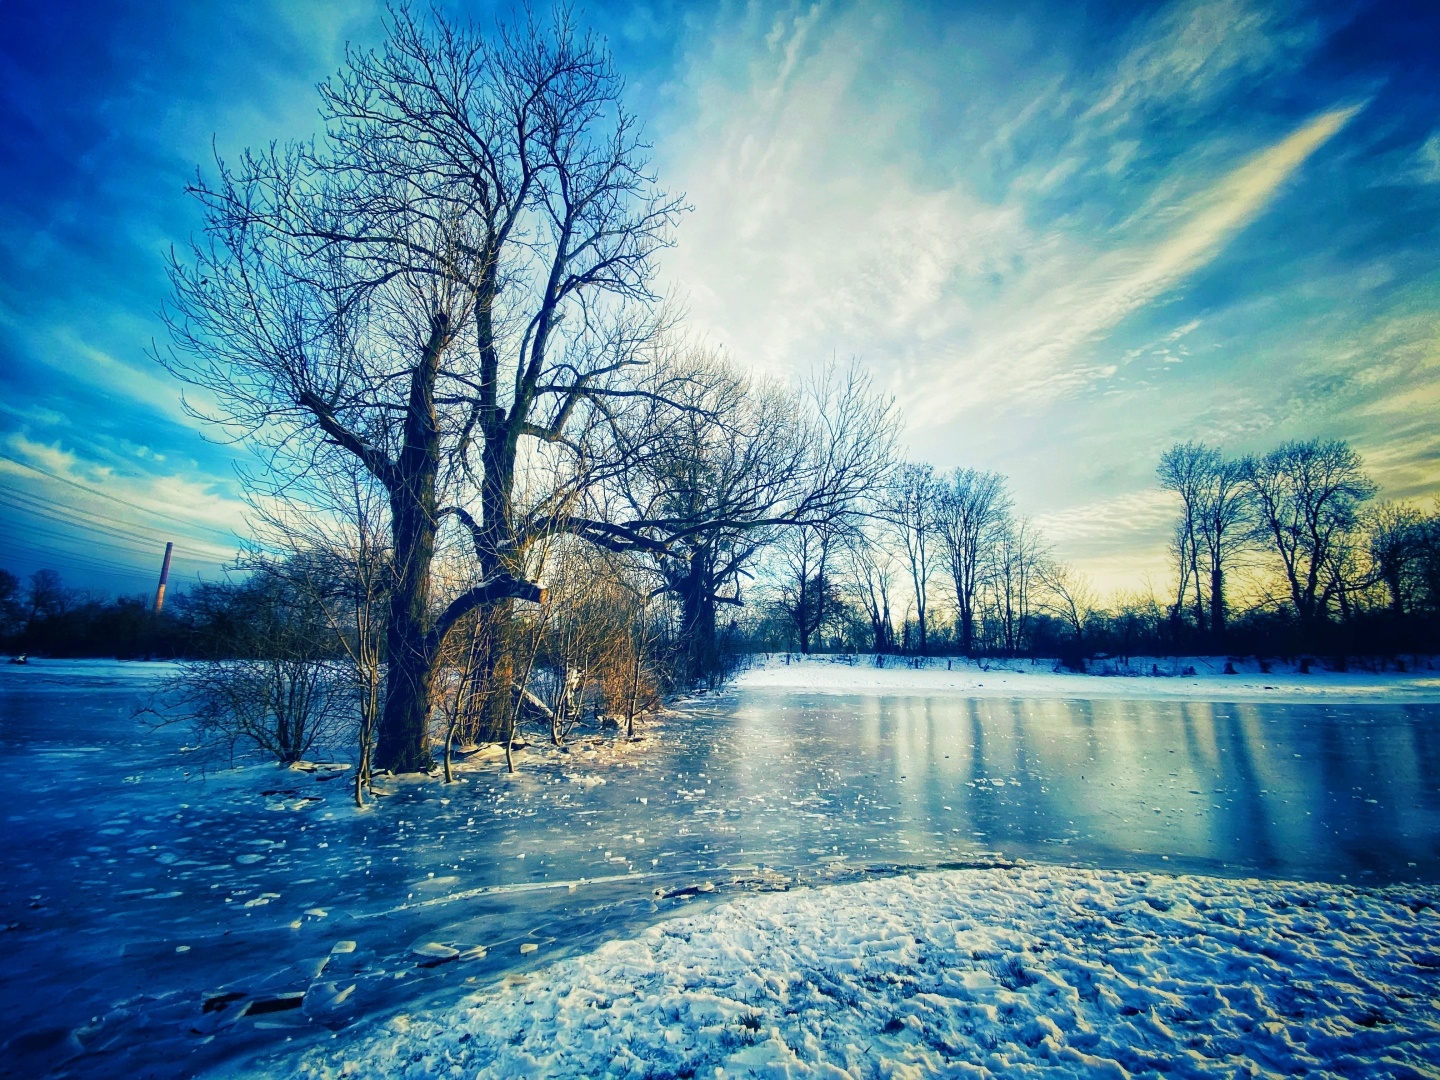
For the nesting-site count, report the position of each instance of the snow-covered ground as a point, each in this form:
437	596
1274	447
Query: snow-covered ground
999	972
1140	677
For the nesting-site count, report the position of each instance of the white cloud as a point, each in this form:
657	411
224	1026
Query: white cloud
1188	53
1087	294
1427	160
170	506
815	234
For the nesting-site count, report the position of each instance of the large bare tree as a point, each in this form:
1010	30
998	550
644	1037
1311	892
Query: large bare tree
456	271
732	461
970	512
908	506
1306	498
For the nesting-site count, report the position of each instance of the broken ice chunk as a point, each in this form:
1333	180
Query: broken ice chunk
432	953
326	997
278	1003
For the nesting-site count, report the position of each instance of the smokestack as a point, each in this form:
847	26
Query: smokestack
164	577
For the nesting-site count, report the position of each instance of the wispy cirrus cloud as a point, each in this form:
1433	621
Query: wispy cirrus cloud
790	257
1189	53
1085	297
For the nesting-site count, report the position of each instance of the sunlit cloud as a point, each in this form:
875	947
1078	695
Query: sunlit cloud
121	512
1033	359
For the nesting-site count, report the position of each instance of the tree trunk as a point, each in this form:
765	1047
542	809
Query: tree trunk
634	695
403	743
411	651
1217	605
697	618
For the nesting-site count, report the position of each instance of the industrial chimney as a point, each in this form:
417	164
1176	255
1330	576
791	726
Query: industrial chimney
164	576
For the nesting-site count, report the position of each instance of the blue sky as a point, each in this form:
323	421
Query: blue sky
1064	235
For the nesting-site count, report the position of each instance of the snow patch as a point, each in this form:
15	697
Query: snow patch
1190	678
974	972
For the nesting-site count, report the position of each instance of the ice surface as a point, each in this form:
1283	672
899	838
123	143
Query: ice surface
759	790
968	973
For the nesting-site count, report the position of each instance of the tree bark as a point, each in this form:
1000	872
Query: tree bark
697	604
403	744
1217	605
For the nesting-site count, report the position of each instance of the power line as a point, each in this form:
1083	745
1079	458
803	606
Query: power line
85	562
134	547
114	498
60	514
102	522
116	536
36	538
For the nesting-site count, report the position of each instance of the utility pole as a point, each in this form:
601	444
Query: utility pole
164	576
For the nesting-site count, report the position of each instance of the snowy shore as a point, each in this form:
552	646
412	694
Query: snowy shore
1141	677
995	972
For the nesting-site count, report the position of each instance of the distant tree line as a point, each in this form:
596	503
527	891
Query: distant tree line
1280	553
206	620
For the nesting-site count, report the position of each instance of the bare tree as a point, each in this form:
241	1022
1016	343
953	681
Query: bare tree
1069	596
462	685
334	548
1018	555
1394	539
47	597
909	509
731	462
1135	617
644	635
1222	520
1183	469
1211	531
1427	563
585	654
1306	497
279	689
12	607
871	570
970	513
808	593
458	269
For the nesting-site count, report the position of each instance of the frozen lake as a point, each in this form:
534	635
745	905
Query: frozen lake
146	909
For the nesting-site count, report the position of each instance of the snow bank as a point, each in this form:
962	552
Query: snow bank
996	972
1021	679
